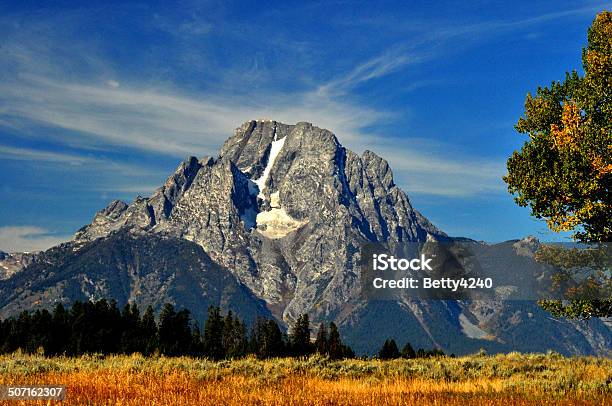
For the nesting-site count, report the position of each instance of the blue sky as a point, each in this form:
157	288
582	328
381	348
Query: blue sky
102	102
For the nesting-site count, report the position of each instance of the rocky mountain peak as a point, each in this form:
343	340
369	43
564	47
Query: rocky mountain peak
277	194
270	180
274	226
378	168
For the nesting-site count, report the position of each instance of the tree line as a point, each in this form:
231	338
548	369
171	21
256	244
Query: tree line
390	350
101	327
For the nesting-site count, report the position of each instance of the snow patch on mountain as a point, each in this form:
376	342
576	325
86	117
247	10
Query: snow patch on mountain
275	149
277	223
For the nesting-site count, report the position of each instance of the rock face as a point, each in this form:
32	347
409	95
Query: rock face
283	210
11	264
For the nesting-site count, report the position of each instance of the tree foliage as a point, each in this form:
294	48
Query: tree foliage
582	278
389	350
563	172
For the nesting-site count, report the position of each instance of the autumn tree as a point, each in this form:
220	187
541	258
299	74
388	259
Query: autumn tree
563	172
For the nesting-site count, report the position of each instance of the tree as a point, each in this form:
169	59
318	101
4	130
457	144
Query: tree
272	344
389	350
148	332
197	345
130	338
334	342
563	172
227	334
266	339
300	337
234	337
347	352
213	334
408	351
79	329
166	329
321	342
240	342
584	292
60	331
175	333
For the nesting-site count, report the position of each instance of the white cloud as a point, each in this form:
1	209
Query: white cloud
26	154
179	125
28	239
437	169
164	121
388	62
75	160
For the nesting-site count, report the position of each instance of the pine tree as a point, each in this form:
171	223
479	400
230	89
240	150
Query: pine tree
347	352
148	333
130	323
336	350
228	334
321	343
213	334
389	350
167	336
234	337
300	337
183	332
79	330
254	336
60	331
273	343
197	345
408	351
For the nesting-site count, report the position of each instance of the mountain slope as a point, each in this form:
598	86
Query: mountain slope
149	270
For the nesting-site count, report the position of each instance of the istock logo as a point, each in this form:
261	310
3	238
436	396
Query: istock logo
383	262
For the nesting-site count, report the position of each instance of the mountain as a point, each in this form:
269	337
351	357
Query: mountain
274	226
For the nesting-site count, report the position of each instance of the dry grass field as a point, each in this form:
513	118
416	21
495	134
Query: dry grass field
512	379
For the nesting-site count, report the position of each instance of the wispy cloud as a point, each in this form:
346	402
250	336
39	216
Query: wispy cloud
379	66
28	238
26	154
91	163
437	169
420	48
162	121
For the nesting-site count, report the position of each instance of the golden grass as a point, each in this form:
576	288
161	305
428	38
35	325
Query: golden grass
511	379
